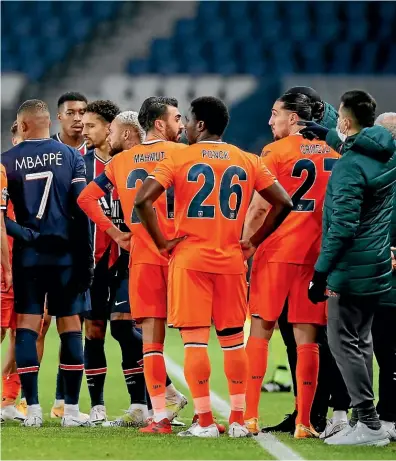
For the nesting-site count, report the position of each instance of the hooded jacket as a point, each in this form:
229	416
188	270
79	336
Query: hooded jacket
357	214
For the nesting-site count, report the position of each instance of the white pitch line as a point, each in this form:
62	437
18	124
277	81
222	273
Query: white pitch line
267	441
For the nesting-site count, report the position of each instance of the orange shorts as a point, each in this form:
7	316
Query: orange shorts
8	316
148	285
272	283
196	298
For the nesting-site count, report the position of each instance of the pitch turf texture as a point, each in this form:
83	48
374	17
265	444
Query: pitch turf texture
54	442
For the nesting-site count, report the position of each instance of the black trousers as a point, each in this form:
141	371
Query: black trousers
384	340
350	319
331	390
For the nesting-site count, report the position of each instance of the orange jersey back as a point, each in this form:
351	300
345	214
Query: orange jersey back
213	183
303	168
127	171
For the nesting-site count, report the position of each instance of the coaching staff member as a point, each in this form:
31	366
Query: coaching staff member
355	258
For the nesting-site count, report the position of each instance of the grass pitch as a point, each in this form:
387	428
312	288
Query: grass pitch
54	442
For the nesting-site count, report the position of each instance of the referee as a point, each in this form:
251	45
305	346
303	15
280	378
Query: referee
355	258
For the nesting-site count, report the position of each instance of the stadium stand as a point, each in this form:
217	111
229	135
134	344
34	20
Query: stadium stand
240	51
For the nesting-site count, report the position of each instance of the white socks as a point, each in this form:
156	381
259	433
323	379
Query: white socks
340	416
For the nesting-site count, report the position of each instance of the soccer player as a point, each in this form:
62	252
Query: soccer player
283	265
161	120
213	182
71	108
44	179
123	133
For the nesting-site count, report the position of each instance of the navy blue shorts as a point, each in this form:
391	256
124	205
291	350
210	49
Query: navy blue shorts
109	291
33	284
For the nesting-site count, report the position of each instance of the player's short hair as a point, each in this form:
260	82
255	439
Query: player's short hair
154	108
361	105
14	128
213	112
104	108
131	118
71	96
302	105
33	105
388	121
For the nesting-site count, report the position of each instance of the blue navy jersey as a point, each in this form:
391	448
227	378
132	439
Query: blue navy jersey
45	178
83	149
111	207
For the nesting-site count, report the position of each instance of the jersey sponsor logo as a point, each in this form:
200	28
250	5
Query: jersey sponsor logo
151	157
216	154
308	149
50	159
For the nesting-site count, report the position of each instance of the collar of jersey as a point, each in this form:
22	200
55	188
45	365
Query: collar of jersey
211	142
38	139
146	143
60	140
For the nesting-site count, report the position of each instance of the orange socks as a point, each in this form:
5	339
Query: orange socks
236	370
257	353
11	387
155	377
307	380
197	371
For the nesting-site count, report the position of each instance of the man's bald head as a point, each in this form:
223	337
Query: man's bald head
388	121
33	119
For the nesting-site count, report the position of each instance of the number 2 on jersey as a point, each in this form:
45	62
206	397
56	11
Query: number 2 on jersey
141	174
305	164
48	175
197	209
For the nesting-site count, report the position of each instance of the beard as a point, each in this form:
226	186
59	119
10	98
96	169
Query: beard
115	149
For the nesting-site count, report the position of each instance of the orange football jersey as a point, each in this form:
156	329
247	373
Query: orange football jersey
213	184
127	171
303	168
3	205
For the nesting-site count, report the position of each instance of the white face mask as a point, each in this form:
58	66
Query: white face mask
342	136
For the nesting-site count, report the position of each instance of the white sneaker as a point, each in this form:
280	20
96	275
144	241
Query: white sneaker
34	416
347	429
10	413
133	417
174	405
98	414
76	421
390	429
332	428
362	435
197	431
236	431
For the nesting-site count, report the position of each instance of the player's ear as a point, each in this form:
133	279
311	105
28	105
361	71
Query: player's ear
24	127
159	125
201	126
126	134
58	116
293	118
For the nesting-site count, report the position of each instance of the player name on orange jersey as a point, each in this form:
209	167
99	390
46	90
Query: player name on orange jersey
308	149
216	154
150	157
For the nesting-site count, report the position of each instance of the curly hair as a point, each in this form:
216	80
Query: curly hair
105	109
213	112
